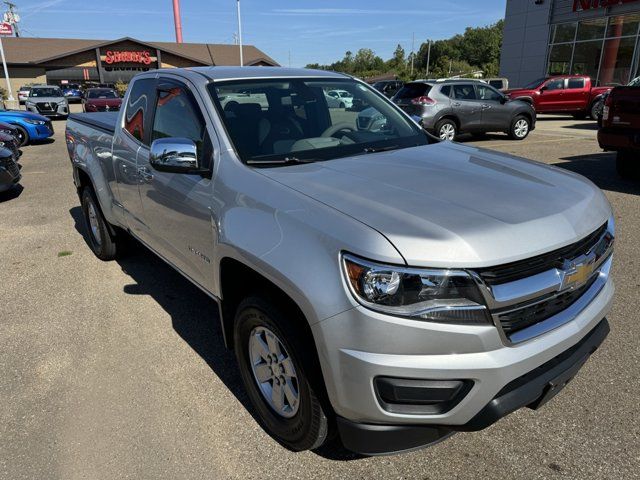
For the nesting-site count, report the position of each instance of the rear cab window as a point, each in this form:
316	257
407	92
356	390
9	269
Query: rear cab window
576	83
136	118
413	90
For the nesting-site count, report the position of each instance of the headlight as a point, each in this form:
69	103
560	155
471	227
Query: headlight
445	296
2	144
34	122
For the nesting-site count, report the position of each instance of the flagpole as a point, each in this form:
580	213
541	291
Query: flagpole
6	72
240	33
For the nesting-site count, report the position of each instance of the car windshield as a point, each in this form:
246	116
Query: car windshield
281	120
101	94
535	84
45	92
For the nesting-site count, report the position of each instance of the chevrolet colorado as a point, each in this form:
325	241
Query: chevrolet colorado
378	285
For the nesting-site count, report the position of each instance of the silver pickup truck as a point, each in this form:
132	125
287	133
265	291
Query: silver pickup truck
374	282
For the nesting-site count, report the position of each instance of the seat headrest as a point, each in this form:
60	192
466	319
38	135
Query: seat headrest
248	110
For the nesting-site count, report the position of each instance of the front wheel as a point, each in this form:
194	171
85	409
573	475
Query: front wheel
595	112
627	166
280	375
520	128
446	130
23	135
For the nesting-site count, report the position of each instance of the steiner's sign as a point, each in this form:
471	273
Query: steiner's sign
6	28
115	56
579	5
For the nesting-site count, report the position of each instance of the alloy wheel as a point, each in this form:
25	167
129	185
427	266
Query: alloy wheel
447	132
521	128
274	372
93	223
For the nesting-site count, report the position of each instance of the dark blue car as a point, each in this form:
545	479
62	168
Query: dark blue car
30	126
72	92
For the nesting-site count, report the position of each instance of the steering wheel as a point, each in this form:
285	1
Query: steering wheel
333	129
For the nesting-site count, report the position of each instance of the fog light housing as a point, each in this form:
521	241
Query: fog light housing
420	397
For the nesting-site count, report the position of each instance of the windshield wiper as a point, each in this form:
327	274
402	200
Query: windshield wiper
282	161
381	149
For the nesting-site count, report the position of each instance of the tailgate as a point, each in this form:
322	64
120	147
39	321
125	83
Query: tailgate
624	110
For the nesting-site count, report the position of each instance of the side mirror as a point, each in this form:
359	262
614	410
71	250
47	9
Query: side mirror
543	88
175	155
504	99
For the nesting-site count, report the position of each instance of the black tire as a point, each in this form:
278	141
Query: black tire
517	131
443	129
627	166
595	111
102	241
23	135
308	428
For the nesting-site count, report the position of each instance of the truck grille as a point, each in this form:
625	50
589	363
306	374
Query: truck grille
515	320
527	268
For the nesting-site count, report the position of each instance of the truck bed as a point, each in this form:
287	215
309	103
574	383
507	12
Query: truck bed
102	120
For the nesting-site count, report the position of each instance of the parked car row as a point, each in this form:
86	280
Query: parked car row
9	155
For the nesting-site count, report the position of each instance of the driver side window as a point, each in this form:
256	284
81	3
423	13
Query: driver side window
178	116
487	93
555	84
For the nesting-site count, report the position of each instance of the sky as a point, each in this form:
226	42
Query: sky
292	32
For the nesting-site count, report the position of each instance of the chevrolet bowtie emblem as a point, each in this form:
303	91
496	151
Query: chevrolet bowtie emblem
577	272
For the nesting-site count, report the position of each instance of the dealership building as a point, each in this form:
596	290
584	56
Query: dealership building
599	38
63	60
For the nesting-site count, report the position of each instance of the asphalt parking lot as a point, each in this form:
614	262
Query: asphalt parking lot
118	370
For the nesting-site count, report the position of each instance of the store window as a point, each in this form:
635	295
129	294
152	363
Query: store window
564	32
617	59
560	59
591	29
623	26
586	58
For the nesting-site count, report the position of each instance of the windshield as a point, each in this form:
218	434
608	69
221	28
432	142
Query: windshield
535	84
71	86
45	92
291	119
101	94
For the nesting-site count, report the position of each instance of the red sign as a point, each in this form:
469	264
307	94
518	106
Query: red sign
579	5
6	28
127	56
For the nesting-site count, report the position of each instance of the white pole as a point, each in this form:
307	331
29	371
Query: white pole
413	47
240	33
6	71
428	58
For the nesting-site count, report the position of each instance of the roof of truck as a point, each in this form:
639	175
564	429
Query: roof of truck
240	73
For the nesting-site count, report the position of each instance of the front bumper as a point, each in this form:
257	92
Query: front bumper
359	345
531	390
9	177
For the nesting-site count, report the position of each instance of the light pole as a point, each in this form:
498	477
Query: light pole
177	21
240	33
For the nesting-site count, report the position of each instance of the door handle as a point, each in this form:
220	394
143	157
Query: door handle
145	174
456	104
485	106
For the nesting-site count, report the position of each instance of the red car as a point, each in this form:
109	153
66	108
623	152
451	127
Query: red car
620	131
572	94
101	100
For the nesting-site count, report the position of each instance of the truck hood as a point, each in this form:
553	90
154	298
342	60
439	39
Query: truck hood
449	205
520	91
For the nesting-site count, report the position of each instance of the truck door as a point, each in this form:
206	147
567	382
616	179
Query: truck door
577	95
551	97
467	107
176	206
129	137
